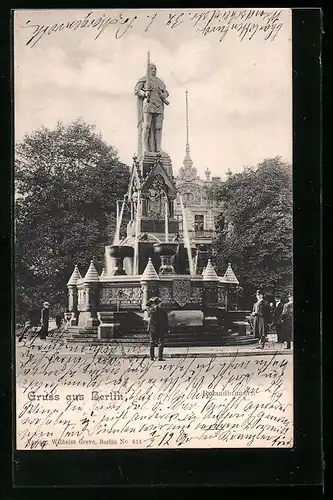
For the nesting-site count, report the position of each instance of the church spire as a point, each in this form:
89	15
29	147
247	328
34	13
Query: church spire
188	163
187	134
187	170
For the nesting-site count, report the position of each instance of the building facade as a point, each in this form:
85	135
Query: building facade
201	213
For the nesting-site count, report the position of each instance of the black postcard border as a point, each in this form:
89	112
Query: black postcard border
211	467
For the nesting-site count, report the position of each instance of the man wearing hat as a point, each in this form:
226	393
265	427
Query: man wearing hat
260	315
44	317
158	326
287	322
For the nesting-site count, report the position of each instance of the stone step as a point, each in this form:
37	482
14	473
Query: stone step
189	342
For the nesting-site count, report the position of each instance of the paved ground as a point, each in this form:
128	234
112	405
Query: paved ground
56	343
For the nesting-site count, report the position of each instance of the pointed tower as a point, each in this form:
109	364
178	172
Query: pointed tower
209	273
75	277
148	283
188	171
210	282
91	282
229	276
73	293
188	163
149	274
92	274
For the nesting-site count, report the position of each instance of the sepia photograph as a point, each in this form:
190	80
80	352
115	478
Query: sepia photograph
153	179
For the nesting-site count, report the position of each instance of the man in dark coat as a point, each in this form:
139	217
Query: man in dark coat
277	321
260	316
287	322
58	320
158	326
44	318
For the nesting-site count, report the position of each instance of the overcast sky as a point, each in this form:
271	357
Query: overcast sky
240	93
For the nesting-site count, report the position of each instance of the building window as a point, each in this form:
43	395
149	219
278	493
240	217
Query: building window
180	222
219	222
199	223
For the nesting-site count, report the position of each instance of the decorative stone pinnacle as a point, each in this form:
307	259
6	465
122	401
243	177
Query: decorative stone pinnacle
230	276
76	276
209	273
149	274
103	273
92	274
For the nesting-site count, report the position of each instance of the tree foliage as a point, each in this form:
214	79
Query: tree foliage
258	204
67	181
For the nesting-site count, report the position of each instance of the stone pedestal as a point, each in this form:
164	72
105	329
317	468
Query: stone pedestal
87	320
108	327
72	298
210	300
147	161
92	300
92	321
73	320
210	324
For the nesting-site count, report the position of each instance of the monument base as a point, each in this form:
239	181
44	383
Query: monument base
108	327
148	159
210	324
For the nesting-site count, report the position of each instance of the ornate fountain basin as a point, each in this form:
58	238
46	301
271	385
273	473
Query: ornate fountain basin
166	249
120	252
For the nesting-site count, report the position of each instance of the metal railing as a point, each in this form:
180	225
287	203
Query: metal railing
206	233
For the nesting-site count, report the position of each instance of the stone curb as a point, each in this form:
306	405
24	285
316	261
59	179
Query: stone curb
227	354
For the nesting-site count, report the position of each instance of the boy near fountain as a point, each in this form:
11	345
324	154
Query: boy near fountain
158	326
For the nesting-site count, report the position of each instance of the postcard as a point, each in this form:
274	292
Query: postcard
153	229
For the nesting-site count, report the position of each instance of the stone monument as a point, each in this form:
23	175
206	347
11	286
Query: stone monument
152	97
151	261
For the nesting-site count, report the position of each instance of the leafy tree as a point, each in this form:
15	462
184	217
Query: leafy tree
67	181
256	228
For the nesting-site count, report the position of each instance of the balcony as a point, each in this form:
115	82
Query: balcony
205	234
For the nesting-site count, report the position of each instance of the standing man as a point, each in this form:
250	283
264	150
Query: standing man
158	327
253	317
260	315
277	321
58	320
287	322
44	317
152	96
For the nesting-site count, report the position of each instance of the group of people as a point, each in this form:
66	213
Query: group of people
274	314
43	330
